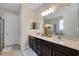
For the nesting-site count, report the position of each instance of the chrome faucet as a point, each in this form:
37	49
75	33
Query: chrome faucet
59	36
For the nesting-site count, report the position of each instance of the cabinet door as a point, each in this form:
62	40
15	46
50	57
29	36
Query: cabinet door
46	51
39	43
46	48
30	42
34	44
39	47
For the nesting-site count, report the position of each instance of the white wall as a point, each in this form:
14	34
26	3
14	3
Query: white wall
1	13
52	21
27	15
11	27
71	20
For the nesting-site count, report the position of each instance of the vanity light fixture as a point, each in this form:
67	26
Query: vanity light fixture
48	11
47	25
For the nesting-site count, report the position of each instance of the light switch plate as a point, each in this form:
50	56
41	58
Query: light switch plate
77	29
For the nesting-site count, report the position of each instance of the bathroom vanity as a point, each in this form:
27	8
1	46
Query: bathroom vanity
63	22
45	46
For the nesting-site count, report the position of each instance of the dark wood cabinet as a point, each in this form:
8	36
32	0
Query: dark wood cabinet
45	48
32	43
46	51
57	53
64	51
39	47
39	44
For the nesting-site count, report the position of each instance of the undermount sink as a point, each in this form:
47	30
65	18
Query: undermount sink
59	41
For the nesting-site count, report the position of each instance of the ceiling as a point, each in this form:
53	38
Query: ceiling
34	6
16	7
13	7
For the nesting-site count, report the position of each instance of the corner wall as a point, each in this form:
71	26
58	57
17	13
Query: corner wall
27	15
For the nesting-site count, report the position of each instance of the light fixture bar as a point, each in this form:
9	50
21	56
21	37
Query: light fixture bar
48	11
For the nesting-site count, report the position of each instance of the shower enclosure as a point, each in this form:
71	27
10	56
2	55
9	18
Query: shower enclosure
1	33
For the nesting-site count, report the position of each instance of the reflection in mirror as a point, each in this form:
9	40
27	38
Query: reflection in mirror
64	21
56	25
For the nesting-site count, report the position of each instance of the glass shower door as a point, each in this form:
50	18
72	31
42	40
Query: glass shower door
1	34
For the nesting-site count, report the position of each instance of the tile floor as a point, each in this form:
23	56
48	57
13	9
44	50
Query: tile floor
29	52
14	50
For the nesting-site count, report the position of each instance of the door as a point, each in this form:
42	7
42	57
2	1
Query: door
11	29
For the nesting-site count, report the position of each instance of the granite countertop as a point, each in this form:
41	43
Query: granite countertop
71	43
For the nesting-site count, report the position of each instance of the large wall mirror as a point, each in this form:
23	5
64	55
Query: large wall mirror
57	25
64	21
